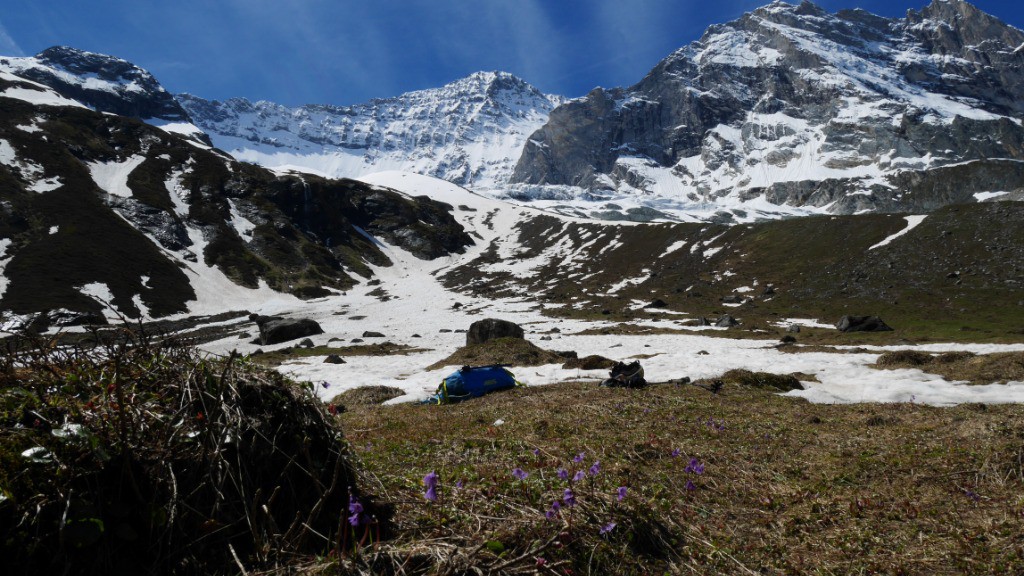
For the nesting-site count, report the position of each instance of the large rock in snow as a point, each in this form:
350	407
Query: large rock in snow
276	330
483	330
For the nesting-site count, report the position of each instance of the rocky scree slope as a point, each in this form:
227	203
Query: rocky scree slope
469	132
791	109
98	208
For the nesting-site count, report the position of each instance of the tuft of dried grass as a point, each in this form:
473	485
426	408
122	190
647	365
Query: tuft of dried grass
138	455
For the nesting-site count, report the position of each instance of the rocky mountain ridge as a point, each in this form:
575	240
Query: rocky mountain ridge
469	132
101	82
791	109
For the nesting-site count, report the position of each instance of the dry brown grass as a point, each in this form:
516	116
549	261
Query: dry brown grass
787	488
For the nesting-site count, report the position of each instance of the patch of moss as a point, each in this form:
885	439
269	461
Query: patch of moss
781	382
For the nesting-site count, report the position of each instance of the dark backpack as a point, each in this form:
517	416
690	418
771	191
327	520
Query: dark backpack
626	375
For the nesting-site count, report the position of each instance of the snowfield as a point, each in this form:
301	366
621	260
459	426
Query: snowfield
419	309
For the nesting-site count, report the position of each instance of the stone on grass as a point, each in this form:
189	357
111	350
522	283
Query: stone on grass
862	324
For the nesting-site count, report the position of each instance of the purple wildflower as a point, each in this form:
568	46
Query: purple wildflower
569	498
595	468
553	512
607	528
695	466
460	484
430	481
536	451
325	384
562	473
620	494
579	457
520	474
676	452
578	476
690	485
356	509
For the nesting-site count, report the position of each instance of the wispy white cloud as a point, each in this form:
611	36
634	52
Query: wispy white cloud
8	46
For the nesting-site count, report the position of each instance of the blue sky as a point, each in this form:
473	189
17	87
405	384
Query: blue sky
348	51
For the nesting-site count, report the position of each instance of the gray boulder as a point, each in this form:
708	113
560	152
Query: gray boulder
483	330
284	329
862	324
726	321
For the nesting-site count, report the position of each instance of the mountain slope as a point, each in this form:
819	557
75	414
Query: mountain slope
99	208
791	109
468	132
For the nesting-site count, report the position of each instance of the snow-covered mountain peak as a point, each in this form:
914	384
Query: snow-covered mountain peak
468	131
792	109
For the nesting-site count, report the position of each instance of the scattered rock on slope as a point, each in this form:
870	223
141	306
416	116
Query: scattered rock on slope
862	324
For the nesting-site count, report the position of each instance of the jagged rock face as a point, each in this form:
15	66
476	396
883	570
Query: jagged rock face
100	209
791	105
469	132
104	83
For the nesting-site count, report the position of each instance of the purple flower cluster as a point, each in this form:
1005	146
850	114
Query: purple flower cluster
355	508
717	426
430	482
620	494
553	512
694	467
607	528
569	498
519	473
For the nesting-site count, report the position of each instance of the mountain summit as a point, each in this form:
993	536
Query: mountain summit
470	131
791	109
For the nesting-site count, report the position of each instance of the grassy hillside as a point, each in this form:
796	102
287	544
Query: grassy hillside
956	276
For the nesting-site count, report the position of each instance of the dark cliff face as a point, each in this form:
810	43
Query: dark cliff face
793	94
123	88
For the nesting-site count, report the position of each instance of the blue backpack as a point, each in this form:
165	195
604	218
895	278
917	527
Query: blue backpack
472	382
